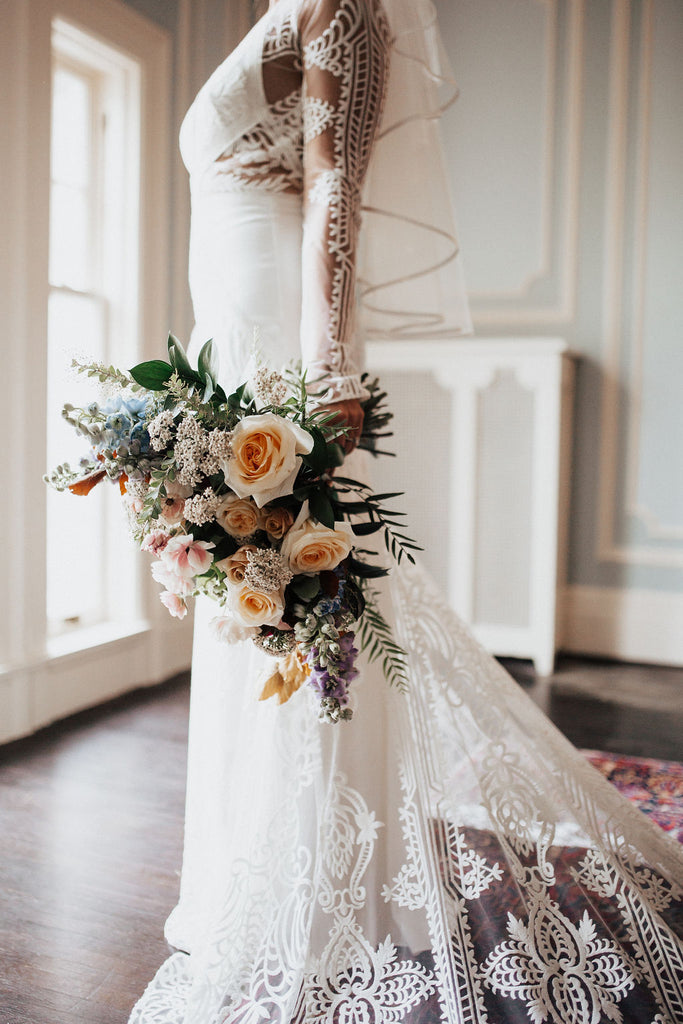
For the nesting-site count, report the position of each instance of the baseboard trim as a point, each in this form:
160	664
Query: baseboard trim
629	625
68	680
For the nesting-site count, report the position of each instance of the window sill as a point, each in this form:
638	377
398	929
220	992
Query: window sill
89	637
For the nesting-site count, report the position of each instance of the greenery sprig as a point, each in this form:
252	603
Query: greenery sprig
399	545
106	374
375	637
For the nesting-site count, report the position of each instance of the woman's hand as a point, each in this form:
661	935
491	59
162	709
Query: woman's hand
349	414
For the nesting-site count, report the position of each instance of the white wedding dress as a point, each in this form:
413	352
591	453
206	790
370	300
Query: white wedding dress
446	856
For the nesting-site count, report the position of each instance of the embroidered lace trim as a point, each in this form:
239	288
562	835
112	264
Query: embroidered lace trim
515	926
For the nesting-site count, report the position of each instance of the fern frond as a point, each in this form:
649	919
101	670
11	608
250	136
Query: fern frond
376	639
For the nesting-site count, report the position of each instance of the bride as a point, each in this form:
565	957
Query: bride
446	856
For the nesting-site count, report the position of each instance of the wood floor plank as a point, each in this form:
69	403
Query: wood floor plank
91	821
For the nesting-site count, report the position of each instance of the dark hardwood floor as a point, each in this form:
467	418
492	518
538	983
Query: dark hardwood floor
91	817
603	705
91	829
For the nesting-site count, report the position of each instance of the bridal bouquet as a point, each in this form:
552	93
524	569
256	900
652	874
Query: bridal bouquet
237	497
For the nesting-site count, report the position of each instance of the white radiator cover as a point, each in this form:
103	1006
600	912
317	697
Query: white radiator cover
483	438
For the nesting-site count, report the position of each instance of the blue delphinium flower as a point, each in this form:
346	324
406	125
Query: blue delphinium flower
125	421
139	439
136	407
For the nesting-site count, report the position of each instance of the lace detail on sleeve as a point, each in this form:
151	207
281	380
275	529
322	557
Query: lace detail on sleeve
345	47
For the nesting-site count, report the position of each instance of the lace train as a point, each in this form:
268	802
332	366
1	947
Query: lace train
448	856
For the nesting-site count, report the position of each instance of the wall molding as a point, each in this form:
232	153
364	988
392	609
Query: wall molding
564	220
629	625
613	441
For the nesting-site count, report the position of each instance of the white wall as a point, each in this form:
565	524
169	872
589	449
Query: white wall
567	160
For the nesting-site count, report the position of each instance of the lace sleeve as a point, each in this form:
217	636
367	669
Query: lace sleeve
345	48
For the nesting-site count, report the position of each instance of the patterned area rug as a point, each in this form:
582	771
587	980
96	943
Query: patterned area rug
656	787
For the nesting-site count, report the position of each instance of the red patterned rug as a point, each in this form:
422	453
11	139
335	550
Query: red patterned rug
656	787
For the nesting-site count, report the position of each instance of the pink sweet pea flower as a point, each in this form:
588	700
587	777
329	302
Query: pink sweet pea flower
187	557
175	604
156	541
175	584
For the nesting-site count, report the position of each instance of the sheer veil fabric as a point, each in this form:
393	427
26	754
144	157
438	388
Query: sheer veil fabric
446	856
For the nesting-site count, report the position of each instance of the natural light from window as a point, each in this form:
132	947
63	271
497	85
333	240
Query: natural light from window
93	311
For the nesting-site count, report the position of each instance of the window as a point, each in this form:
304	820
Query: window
93	310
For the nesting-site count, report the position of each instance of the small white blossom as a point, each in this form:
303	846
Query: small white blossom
201	508
190	450
219	450
269	386
137	489
266	570
160	430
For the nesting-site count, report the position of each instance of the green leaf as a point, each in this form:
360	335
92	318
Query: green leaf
320	507
178	359
152	375
365	529
354	598
364	570
317	457
306	587
208	387
207	363
349	481
352	508
301	493
235	399
224	548
335	454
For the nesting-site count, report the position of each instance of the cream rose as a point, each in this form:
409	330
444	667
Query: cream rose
229	631
238	516
252	608
234	565
276	522
311	547
264	461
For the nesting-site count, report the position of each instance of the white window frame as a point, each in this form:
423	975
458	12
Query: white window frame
114	84
40	682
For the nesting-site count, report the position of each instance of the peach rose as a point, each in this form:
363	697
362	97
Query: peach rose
310	547
234	565
276	522
264	461
252	608
238	516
